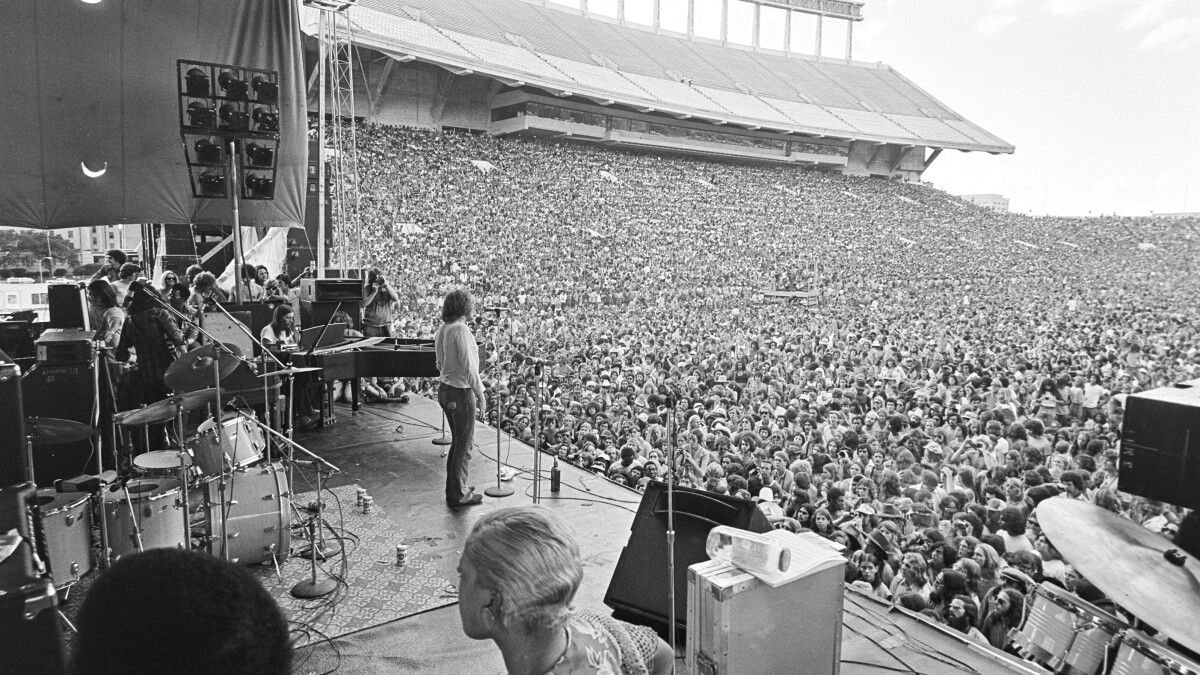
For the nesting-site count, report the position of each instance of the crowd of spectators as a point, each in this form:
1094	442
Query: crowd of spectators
960	365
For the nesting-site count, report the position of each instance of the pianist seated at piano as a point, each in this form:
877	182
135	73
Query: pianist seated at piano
281	332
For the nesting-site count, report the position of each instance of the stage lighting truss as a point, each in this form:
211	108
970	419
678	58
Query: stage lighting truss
220	103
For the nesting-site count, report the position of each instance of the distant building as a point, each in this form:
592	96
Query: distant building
24	293
93	242
994	202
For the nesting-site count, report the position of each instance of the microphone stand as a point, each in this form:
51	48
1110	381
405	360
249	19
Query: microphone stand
672	402
266	389
220	429
498	490
537	427
311	587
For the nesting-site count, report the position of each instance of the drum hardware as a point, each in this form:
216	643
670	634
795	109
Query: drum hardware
1138	654
1065	633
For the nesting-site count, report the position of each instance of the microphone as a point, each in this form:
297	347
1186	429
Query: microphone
117	485
495	308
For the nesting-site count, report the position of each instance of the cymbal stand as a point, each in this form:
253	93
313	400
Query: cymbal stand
311	587
443	439
137	528
537	431
184	480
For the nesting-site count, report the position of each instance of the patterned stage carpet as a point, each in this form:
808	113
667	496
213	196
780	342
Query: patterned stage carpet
376	590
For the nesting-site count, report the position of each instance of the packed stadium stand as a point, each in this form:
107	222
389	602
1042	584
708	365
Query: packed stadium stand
481	64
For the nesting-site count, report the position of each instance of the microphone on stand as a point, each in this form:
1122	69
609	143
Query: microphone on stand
496	308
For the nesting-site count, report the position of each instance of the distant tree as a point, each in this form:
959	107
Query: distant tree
19	272
61	271
26	248
86	270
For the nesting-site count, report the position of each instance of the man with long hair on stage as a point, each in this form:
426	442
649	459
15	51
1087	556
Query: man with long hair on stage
460	392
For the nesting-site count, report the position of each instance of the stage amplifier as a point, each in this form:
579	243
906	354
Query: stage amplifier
64	346
64	391
1160	445
13	467
325	290
68	306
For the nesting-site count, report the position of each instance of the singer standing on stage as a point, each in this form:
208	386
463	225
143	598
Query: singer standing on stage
460	392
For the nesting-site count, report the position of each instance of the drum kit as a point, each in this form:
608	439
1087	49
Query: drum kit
1153	583
217	489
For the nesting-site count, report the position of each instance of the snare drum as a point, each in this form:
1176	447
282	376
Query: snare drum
1139	654
243	441
1066	633
67	533
159	515
259	515
161	463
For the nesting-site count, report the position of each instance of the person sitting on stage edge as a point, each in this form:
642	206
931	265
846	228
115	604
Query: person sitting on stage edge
460	392
519	572
172	611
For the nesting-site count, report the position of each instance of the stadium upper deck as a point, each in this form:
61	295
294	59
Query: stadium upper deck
572	56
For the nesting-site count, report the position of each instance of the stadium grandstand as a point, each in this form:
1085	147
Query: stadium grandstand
523	67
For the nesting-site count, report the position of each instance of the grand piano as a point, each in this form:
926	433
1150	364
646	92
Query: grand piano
369	357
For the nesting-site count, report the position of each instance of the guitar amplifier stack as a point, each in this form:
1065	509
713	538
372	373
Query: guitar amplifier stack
320	298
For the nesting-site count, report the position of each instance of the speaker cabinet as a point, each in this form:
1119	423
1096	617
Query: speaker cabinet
315	313
65	392
1160	445
639	590
68	306
13	467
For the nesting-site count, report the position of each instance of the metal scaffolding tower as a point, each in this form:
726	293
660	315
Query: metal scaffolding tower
336	104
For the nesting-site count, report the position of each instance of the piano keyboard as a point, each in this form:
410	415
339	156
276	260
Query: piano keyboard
357	344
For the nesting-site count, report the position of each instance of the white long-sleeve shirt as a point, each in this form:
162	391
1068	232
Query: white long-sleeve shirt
458	357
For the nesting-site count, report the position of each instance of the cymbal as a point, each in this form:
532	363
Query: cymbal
194	370
164	410
1140	570
292	370
54	431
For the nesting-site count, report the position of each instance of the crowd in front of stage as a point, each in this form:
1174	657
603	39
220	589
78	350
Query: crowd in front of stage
960	366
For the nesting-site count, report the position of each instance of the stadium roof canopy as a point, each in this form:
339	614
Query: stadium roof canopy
523	44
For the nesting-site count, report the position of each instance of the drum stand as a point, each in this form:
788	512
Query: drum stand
311	587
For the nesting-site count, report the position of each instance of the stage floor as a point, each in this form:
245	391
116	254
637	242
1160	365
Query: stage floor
388	450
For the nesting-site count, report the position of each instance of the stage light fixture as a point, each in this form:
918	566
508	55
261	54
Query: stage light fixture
234	88
212	183
260	155
207	152
265	120
200	115
260	186
234	118
197	82
265	91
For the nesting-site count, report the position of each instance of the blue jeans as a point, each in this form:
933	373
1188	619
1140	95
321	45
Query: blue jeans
459	406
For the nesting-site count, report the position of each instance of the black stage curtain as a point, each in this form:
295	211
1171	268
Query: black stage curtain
96	83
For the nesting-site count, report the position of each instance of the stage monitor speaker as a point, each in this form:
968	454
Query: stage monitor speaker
638	591
1160	445
65	392
313	314
13	467
68	306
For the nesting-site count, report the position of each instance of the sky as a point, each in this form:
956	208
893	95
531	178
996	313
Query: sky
1100	97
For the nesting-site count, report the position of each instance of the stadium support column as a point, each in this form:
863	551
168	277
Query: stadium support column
621	12
657	14
849	38
724	21
820	18
787	31
757	28
691	18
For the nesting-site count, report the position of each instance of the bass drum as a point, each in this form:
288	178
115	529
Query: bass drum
155	505
259	514
66	533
